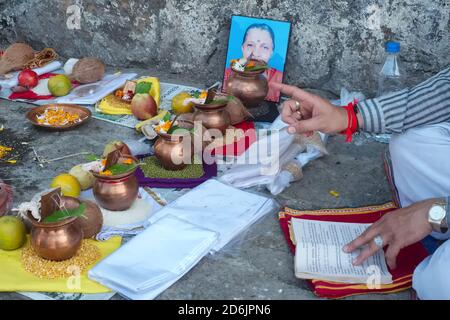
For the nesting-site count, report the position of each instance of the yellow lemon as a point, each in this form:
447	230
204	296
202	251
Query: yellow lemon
178	105
69	185
12	233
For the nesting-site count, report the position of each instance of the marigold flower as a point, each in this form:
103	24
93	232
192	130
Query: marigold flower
106	173
128	161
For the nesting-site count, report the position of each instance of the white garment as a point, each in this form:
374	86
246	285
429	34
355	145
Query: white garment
421	163
421	168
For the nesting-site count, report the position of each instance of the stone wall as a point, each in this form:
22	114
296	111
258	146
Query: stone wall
333	43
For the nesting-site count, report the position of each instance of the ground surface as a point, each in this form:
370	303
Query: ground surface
258	267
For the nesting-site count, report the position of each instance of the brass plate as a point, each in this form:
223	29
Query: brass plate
83	113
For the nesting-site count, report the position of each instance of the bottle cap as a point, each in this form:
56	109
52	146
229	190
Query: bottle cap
392	46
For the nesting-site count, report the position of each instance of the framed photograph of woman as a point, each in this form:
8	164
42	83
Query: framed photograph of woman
261	39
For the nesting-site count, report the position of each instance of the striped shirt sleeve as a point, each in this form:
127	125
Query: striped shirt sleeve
426	103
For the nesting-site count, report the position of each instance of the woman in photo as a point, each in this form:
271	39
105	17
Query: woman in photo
259	43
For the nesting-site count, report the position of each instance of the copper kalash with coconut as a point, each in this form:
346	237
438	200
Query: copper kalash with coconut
115	186
247	81
60	223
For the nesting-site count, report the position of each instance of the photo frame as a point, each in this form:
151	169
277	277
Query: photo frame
263	39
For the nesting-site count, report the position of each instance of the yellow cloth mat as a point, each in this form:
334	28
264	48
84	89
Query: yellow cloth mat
13	276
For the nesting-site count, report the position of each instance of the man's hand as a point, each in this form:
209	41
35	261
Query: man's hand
314	114
398	229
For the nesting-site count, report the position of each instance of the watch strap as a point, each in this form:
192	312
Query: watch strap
445	221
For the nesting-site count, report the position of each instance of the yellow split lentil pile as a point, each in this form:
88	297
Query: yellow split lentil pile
46	269
57	117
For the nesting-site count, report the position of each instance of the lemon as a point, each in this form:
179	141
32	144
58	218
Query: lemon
178	105
70	186
12	233
59	85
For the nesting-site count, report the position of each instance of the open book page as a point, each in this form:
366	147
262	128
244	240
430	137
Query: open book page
319	253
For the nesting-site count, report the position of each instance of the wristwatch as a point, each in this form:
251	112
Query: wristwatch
437	216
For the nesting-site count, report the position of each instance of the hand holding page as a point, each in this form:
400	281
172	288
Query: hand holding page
319	253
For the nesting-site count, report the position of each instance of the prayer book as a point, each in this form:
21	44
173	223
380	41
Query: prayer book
319	253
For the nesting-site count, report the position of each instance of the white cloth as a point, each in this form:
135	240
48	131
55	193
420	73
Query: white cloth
155	259
421	169
12	82
262	163
216	206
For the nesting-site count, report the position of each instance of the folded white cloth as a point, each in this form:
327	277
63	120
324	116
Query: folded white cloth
219	207
13	81
155	259
129	222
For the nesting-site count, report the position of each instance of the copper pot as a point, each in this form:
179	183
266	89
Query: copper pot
251	87
116	193
57	241
213	115
173	151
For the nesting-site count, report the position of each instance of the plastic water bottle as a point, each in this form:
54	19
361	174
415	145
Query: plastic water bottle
391	75
390	79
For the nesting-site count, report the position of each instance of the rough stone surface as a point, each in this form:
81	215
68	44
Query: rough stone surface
259	265
334	43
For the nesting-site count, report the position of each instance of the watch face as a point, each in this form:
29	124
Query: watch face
437	213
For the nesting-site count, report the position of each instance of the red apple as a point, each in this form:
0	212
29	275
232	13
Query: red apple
28	78
143	106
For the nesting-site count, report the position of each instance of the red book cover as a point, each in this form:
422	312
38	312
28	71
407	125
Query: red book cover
407	260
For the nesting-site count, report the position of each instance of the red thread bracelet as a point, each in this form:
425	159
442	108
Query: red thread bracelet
352	125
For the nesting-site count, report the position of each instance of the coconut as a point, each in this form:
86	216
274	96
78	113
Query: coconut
88	70
92	221
114	145
15	57
236	109
85	178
